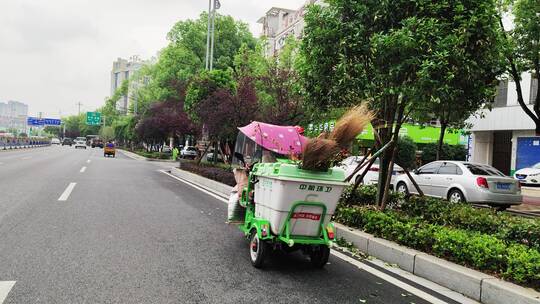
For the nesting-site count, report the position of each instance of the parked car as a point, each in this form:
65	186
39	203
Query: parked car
189	152
459	181
210	156
96	142
372	176
55	141
80	144
529	176
67	142
166	149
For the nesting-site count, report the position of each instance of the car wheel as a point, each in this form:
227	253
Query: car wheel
456	196
402	188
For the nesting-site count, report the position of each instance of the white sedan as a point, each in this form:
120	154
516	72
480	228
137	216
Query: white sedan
459	181
80	144
372	176
529	176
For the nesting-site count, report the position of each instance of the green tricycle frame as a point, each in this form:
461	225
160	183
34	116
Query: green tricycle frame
262	239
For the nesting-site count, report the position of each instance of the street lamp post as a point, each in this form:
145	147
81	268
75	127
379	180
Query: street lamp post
211	33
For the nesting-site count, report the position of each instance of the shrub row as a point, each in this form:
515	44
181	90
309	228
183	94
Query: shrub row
219	174
474	249
505	227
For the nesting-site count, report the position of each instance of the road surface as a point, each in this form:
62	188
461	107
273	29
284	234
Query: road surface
76	227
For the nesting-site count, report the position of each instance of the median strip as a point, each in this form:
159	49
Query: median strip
67	192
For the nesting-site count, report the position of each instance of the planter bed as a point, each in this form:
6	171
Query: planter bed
495	243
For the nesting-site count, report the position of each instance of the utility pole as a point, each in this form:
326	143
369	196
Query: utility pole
211	33
79	104
208	34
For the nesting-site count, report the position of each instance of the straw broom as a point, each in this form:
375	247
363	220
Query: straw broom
320	152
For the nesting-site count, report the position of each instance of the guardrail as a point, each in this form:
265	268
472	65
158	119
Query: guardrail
13	143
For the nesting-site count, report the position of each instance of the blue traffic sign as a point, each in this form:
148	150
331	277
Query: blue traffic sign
35	121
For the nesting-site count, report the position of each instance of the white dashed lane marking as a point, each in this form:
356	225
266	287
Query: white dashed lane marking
83	169
67	192
5	287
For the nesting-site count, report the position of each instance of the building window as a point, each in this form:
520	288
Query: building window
502	94
534	89
126	75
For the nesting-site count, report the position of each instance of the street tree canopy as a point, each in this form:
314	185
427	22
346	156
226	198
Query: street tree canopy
522	50
400	55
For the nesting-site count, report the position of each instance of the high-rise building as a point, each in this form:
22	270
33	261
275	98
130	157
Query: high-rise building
122	70
13	116
280	23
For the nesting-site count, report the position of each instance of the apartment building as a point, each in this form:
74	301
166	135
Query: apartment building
13	116
279	23
122	70
505	136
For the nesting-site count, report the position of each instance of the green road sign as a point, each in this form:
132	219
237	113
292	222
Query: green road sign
93	118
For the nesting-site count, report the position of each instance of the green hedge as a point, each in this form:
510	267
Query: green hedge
366	195
505	227
470	248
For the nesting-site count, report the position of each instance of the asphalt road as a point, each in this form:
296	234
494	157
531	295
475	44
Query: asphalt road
128	233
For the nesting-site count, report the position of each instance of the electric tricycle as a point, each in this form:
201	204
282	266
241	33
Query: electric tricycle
286	208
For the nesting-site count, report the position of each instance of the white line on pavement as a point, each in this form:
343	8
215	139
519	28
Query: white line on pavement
196	187
83	169
88	161
67	192
5	287
417	292
26	157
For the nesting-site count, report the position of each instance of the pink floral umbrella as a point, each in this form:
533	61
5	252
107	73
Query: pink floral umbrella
280	139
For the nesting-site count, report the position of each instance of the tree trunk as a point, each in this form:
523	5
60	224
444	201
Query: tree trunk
389	178
444	125
204	153
514	72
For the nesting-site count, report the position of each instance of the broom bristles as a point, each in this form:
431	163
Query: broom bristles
351	124
320	152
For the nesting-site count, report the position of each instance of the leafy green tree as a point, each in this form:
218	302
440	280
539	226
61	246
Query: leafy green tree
230	35
396	54
205	85
522	49
106	133
406	155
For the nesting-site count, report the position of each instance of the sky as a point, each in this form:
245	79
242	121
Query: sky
57	53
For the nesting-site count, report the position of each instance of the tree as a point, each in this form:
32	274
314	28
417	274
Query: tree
204	86
406	155
396	54
230	36
522	49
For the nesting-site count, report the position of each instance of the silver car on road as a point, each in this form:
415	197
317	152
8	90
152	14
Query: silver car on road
460	181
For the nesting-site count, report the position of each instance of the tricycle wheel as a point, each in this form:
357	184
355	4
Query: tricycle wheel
258	249
319	255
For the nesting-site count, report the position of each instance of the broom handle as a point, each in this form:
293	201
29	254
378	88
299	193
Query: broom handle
361	165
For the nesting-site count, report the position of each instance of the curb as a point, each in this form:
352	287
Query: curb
203	182
474	284
471	283
138	157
